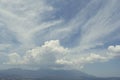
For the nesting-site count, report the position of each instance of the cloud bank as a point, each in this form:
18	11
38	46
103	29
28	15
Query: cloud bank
52	55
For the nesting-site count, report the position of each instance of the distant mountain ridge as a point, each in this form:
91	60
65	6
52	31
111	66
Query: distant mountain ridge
47	74
42	73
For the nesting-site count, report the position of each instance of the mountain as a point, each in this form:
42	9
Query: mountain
47	74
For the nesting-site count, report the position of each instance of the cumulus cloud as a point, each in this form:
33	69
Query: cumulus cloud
53	55
43	56
81	60
115	49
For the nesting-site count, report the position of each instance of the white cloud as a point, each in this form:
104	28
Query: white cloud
43	56
115	49
94	23
47	53
52	55
80	61
26	18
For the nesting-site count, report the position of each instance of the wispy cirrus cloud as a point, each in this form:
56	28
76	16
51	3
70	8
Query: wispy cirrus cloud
44	38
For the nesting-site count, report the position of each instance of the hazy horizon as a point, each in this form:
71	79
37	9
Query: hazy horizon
82	35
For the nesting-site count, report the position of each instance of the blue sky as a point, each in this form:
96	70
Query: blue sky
61	34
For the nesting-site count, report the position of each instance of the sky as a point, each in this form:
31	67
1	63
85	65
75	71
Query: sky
61	34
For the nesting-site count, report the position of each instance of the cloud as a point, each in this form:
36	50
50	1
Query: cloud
115	49
90	26
18	16
4	46
43	41
89	58
53	55
43	56
14	58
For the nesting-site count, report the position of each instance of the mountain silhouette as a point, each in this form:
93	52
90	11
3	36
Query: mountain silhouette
47	74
